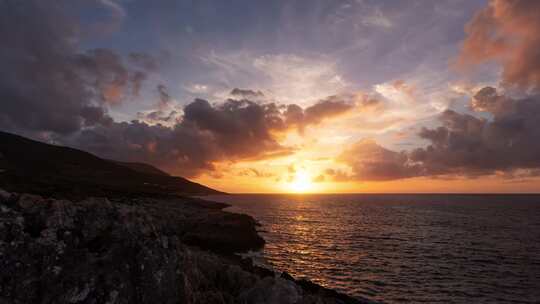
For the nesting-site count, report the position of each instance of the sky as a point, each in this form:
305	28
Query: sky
285	96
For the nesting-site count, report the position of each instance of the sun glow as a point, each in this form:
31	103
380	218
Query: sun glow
301	183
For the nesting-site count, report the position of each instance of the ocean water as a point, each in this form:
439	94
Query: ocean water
404	248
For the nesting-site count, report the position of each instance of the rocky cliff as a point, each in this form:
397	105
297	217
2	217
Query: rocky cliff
143	250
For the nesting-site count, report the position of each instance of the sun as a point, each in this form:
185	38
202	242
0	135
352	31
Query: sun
301	183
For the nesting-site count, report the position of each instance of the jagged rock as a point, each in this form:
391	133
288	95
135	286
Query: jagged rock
4	195
133	251
272	291
29	201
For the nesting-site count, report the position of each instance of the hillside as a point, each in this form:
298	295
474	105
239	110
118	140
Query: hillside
143	168
50	170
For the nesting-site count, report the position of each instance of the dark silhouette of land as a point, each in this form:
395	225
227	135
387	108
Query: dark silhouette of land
62	172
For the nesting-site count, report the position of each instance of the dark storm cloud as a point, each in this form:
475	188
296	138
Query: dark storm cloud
315	114
240	127
249	94
468	145
507	31
464	145
206	133
95	115
332	106
47	82
183	149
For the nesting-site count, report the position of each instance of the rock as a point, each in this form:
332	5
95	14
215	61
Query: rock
272	291
4	195
135	251
225	232
29	201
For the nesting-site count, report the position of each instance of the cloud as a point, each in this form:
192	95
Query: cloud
164	97
164	117
197	88
249	94
377	19
183	149
300	79
509	33
369	103
166	112
47	82
338	175
487	100
252	172
324	109
95	115
372	162
115	17
468	145
398	91
464	145
288	78
50	85
239	127
205	134
329	107
319	179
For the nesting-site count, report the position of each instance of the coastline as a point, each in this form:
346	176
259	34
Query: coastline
137	250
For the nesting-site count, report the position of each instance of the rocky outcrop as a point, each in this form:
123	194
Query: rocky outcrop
143	250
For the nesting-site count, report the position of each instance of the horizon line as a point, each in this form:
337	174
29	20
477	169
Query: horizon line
380	193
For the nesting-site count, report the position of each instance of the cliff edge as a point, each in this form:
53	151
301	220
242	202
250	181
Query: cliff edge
136	250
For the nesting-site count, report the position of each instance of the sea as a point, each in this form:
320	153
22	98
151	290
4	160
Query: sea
403	248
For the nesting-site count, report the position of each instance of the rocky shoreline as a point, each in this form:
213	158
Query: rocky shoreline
137	250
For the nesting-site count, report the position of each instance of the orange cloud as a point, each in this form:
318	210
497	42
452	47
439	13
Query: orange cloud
402	86
113	94
370	161
507	32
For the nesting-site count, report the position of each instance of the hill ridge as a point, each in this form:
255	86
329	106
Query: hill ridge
59	171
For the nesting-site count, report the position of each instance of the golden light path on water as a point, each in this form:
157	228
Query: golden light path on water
431	248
